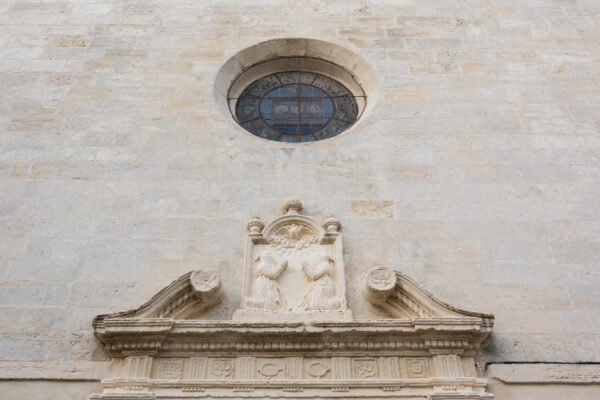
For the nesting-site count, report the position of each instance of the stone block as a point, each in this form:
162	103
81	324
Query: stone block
45	270
24	347
33	293
119	270
105	295
373	209
12	248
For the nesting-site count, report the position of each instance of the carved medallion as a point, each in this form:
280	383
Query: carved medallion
382	278
270	369
380	284
317	369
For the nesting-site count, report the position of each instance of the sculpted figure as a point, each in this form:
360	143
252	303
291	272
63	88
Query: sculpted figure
266	294
321	293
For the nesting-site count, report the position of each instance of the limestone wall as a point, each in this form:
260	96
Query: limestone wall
476	172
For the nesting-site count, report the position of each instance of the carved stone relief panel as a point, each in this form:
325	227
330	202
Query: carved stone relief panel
294	269
416	368
364	368
168	368
319	368
271	368
221	368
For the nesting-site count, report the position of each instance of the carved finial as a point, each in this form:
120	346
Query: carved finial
255	225
332	224
293	206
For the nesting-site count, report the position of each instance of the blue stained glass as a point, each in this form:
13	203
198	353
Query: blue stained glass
296	107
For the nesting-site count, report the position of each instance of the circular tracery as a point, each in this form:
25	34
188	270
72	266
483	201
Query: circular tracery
296	106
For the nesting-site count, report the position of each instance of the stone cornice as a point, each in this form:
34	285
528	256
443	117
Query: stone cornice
122	335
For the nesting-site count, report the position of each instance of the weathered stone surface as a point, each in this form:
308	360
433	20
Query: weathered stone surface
546	373
118	173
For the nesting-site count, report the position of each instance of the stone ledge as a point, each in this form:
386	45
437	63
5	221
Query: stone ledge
545	373
54	370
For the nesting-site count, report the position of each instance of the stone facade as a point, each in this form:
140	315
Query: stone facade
474	170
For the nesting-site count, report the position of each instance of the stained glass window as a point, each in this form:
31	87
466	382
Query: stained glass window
296	106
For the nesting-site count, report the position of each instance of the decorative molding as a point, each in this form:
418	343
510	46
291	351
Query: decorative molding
185	297
293	336
403	297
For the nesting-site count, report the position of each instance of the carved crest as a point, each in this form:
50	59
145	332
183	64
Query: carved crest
294	236
294	269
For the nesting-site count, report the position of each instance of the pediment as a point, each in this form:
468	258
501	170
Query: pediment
403	297
184	298
294	338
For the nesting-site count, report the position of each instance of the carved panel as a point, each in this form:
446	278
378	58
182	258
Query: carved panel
294	367
270	368
341	367
138	366
417	368
447	365
317	368
388	368
364	368
221	368
170	368
294	267
195	368
244	367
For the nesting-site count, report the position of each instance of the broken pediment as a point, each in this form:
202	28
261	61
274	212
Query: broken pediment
293	336
186	297
402	297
